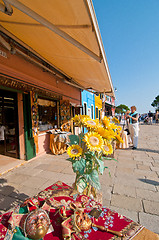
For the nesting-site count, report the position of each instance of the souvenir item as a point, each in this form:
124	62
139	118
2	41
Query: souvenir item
36	224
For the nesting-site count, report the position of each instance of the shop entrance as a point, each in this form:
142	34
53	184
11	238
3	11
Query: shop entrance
9	144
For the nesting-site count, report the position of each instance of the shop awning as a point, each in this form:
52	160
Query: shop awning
63	32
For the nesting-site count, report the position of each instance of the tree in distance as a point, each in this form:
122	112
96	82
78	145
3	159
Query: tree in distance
121	109
155	103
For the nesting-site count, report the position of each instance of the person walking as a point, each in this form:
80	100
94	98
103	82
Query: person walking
150	115
134	126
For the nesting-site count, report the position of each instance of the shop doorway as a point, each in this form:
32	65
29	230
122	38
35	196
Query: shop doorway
9	136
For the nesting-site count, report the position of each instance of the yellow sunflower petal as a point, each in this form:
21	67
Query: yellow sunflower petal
118	138
90	123
105	133
114	119
107	149
74	151
94	141
106	121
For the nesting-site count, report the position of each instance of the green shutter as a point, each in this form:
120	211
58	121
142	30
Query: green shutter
30	150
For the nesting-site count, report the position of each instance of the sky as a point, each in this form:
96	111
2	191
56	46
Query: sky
130	34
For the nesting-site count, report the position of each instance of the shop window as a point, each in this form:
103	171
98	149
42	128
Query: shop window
47	110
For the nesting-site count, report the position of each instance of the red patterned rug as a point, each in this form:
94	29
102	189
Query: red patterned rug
57	200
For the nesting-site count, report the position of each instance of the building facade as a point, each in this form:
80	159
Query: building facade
88	103
32	101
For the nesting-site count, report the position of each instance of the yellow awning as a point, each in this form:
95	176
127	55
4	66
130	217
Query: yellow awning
65	33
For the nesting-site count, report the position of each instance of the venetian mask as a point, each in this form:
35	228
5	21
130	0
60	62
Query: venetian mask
83	222
36	224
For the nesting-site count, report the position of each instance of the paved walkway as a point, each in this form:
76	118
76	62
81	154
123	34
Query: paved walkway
132	189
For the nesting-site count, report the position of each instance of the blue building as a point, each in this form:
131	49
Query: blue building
88	103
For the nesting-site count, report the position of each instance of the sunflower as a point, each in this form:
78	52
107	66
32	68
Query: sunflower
107	148
119	128
105	133
112	126
118	138
76	118
114	119
91	124
106	121
94	141
74	151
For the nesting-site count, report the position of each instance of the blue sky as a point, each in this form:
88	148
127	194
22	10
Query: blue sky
130	34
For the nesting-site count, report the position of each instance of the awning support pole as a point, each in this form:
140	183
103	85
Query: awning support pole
53	28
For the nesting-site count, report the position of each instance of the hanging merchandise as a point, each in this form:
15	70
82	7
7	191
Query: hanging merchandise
65	111
35	117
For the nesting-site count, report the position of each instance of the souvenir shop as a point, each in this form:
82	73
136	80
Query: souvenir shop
32	102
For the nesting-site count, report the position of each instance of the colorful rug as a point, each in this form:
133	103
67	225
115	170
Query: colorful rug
57	200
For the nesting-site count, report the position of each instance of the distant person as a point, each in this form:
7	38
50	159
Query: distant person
127	120
150	116
127	127
134	126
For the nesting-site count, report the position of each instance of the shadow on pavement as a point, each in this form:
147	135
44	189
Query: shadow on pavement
149	181
9	196
139	149
147	150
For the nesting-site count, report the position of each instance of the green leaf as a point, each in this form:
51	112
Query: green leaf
74	139
93	179
109	159
82	184
101	166
81	135
70	159
79	166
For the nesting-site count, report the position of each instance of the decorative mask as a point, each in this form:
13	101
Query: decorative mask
83	222
36	224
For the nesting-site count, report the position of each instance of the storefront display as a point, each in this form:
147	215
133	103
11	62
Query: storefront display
65	111
48	117
35	117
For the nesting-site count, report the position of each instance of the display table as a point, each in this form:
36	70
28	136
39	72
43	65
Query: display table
60	196
58	142
125	140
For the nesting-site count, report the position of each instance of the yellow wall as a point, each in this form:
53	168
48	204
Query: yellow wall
98	103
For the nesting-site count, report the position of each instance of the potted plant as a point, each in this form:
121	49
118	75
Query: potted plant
88	150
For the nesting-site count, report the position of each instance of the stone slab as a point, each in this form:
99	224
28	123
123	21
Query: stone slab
35	182
128	203
124	190
147	195
150	221
143	167
156	164
134	182
151	207
155	169
106	192
144	173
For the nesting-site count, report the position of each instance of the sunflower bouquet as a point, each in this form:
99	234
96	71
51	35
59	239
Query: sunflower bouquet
88	150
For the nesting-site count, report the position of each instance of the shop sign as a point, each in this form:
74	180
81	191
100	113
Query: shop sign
3	54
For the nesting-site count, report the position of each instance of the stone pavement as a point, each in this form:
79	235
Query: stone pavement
132	189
